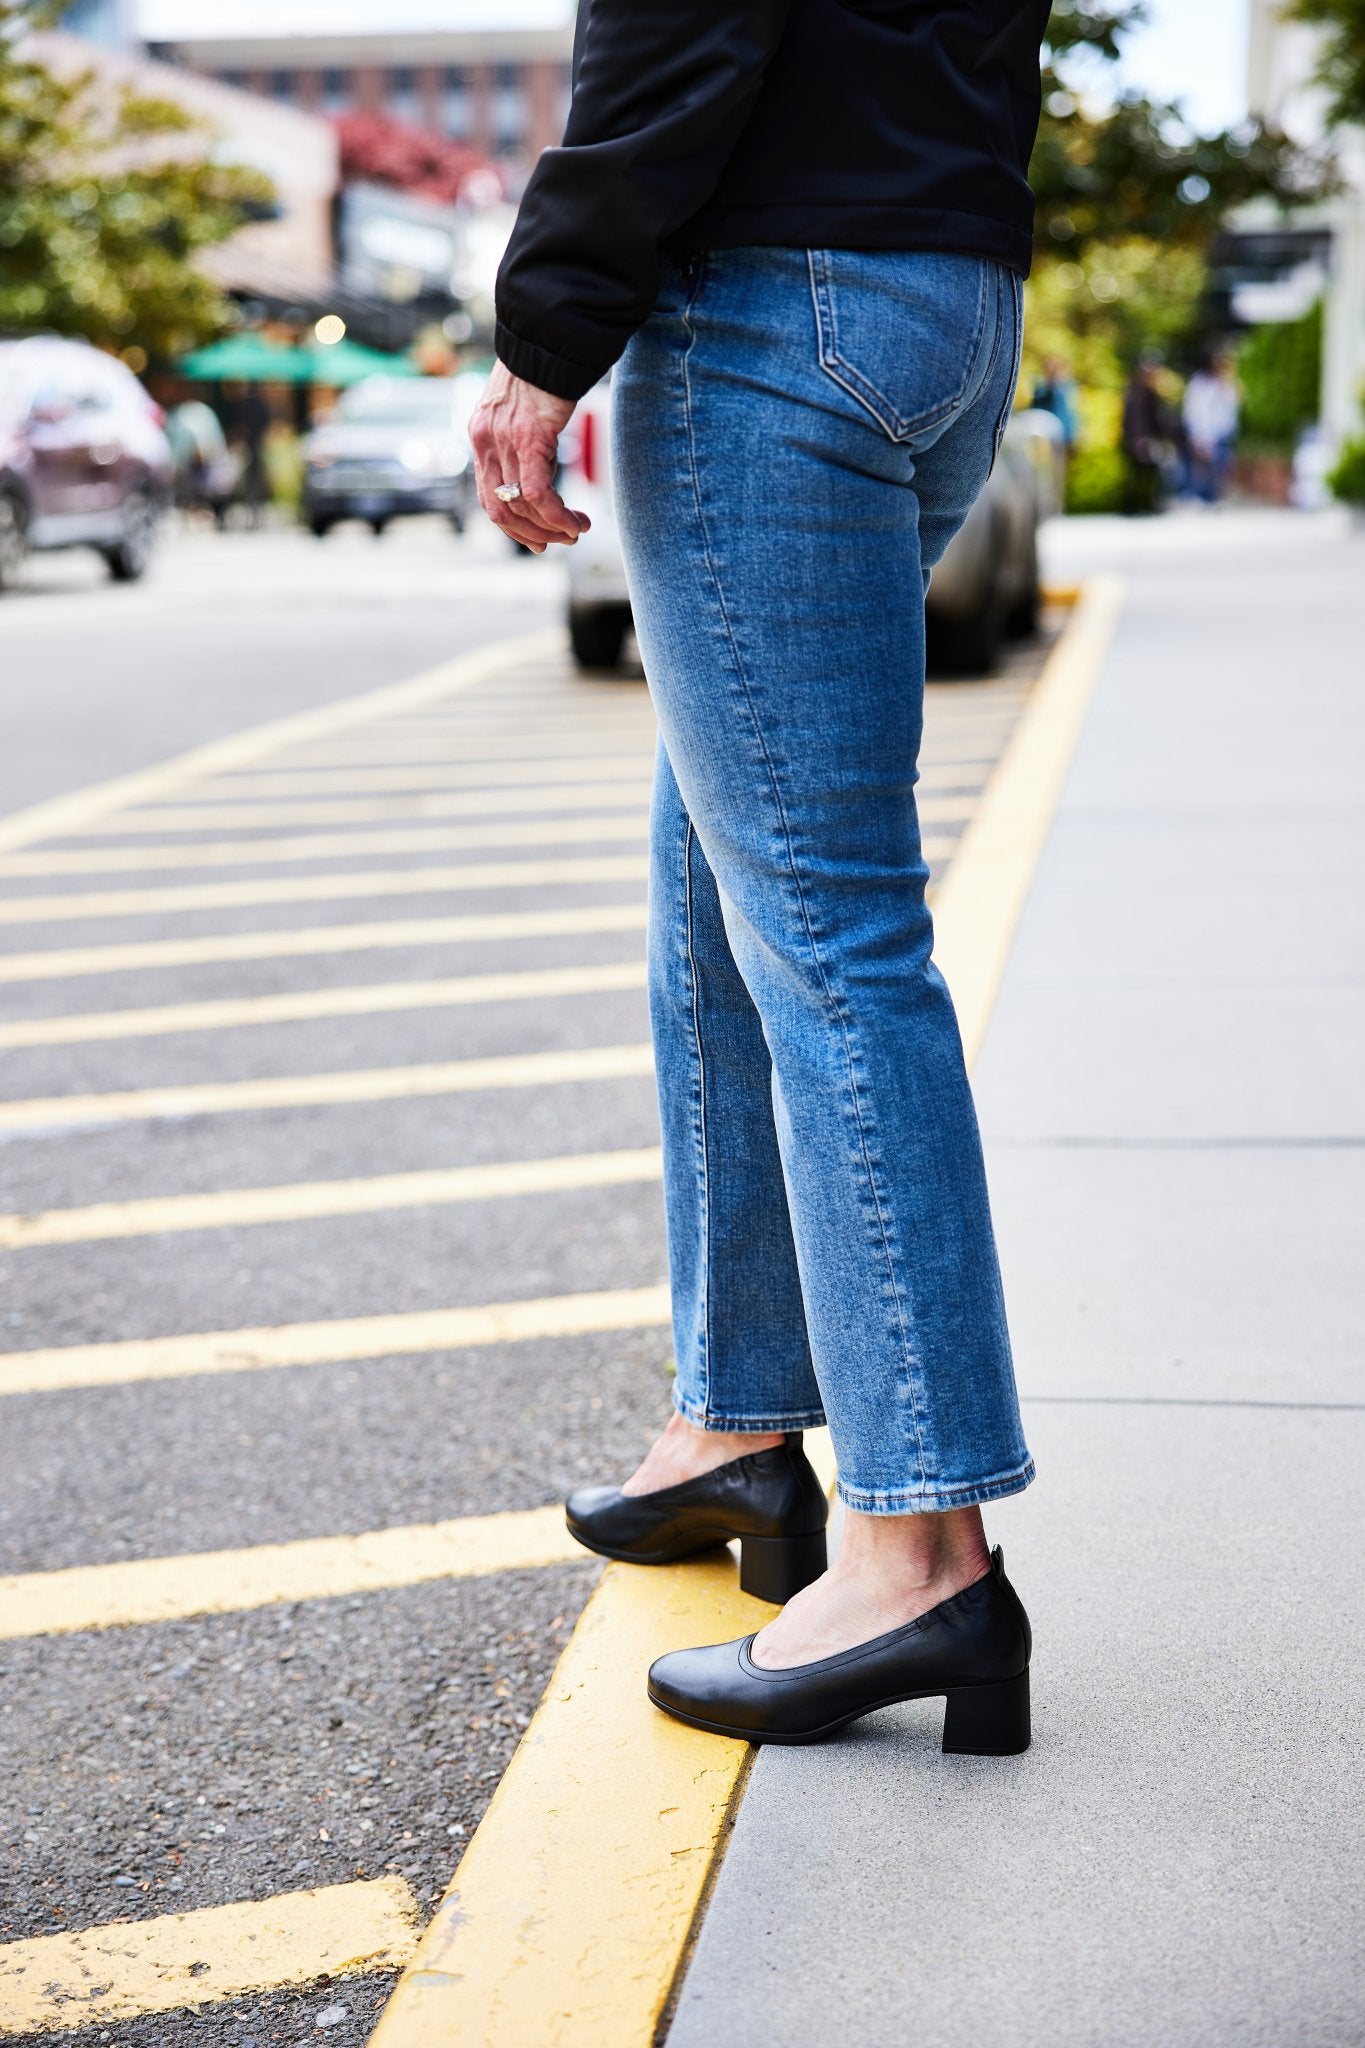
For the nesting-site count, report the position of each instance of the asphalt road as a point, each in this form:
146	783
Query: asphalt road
197	1762
231	629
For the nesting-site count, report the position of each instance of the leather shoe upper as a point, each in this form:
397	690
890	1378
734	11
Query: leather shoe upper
767	1493
979	1637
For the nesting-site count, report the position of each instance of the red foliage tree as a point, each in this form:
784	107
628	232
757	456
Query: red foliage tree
378	150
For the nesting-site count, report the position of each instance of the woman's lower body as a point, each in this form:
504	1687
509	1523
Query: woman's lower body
798	435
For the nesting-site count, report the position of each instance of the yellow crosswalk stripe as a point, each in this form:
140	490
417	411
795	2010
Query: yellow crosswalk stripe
240	853
309	1091
131	1968
368	779
359	845
398	748
442	881
304	1201
305	1005
143	1590
128	1359
532	798
329	938
64	816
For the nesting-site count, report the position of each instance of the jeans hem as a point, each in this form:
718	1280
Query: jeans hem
928	1500
746	1425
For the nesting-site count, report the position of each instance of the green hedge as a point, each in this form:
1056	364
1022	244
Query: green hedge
1097	481
1346	479
1280	367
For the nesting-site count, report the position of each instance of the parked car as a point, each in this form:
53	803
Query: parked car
985	587
394	446
83	458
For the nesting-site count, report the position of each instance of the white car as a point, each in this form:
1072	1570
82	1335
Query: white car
985	587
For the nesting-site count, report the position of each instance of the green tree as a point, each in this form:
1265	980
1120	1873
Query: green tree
1137	168
1342	67
106	198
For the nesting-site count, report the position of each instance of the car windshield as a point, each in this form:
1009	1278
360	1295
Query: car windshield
381	402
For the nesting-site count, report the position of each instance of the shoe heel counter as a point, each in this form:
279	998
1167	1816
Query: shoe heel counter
811	1502
1013	1604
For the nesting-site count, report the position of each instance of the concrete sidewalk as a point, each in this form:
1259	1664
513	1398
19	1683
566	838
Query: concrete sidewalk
1173	1092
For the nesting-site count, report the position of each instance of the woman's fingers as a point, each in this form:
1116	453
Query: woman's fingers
515	435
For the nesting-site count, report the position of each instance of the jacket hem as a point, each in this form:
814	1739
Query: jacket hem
804	224
560	375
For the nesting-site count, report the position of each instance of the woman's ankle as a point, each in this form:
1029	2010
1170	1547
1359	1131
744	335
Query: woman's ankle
685	1452
917	1554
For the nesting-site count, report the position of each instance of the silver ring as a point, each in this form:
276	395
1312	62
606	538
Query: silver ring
508	493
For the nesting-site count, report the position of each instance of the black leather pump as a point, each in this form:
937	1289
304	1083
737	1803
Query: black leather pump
974	1649
771	1500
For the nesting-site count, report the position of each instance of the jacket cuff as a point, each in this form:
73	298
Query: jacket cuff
559	375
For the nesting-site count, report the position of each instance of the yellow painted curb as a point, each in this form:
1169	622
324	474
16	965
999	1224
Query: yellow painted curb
128	1969
570	1909
569	1915
977	909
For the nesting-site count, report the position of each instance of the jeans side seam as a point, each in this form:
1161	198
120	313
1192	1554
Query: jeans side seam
774	785
705	1324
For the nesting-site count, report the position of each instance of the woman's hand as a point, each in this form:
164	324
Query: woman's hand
514	434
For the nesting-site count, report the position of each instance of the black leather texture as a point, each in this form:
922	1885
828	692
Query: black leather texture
978	1639
769	1493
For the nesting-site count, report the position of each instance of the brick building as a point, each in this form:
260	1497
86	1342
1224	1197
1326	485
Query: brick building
494	73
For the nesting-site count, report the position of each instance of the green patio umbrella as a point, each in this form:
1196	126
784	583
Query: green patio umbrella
346	362
251	358
248	358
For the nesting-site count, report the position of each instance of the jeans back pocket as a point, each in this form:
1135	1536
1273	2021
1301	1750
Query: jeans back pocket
902	332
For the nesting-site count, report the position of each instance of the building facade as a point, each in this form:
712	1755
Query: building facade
503	90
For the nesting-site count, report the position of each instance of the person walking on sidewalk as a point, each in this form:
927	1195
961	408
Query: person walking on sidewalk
796	231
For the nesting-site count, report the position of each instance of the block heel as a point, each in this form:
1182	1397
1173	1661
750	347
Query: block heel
772	1568
988	1720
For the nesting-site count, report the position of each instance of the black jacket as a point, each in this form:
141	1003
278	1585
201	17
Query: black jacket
725	124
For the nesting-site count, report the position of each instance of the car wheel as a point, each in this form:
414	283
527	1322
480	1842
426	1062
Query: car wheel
319	526
457	522
141	518
969	646
1024	613
13	538
379	527
597	635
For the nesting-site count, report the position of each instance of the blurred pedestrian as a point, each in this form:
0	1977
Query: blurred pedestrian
1055	392
816	333
248	424
1149	436
1211	413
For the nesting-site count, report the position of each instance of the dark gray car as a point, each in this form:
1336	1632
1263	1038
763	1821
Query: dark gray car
395	446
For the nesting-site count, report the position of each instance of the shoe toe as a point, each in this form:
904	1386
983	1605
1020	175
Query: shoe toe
703	1682
588	1504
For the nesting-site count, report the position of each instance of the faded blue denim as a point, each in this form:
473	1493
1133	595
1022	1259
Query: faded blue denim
798	434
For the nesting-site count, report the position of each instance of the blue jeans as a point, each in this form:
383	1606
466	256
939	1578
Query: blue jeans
798	434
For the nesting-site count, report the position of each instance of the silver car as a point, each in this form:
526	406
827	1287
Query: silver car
985	587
